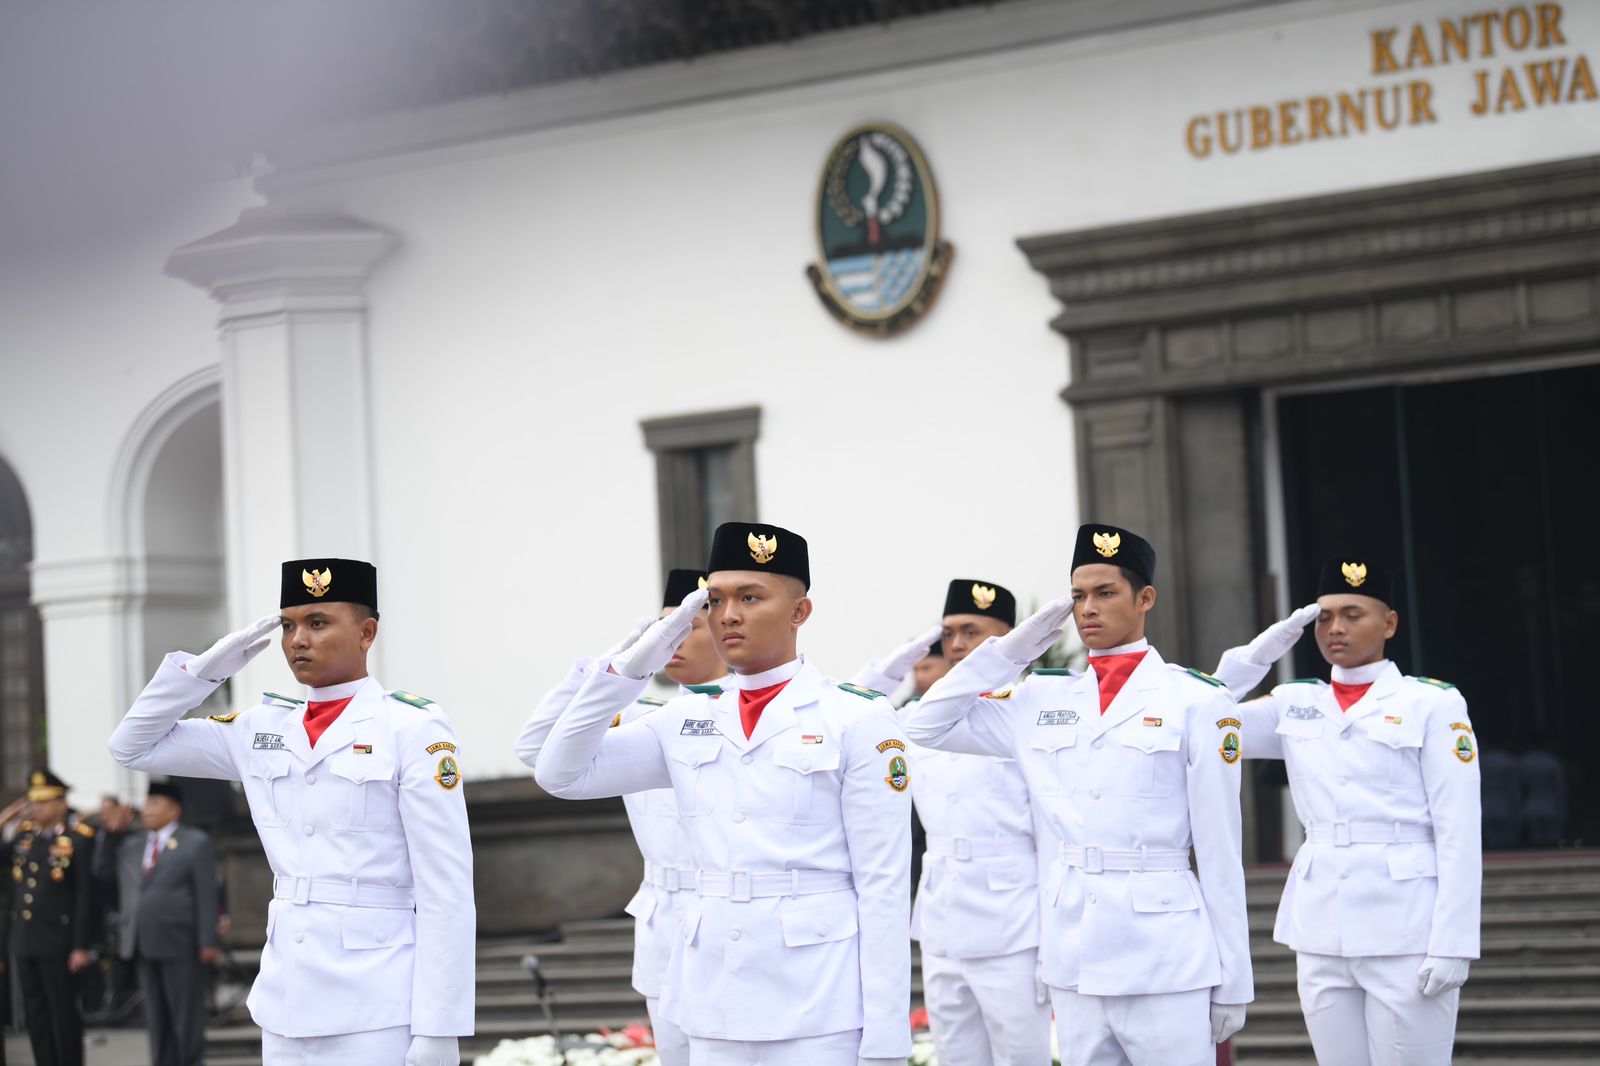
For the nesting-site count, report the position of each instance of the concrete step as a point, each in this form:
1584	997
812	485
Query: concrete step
1520	1046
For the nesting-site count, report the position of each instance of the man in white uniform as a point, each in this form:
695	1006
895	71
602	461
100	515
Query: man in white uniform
653	815
793	791
977	907
1382	903
1129	764
357	797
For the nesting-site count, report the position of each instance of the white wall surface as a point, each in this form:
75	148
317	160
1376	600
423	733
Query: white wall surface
554	288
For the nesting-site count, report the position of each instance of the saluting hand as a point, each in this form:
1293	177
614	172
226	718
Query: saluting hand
1037	633
231	654
628	641
899	662
654	649
1274	642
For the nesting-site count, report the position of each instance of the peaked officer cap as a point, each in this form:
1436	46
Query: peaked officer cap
757	546
43	784
1356	575
970	596
312	581
1115	546
680	583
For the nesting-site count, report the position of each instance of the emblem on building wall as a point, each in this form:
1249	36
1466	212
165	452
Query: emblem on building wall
881	260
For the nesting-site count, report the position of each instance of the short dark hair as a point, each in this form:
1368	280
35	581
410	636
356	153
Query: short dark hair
362	612
1136	581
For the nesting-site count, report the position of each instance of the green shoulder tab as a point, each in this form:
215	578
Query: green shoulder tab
1207	678
1305	681
290	700
651	701
705	690
1053	671
421	702
1436	683
864	693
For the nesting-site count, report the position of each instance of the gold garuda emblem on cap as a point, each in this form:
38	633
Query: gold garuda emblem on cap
36	780
1355	574
762	547
1107	544
983	596
317	584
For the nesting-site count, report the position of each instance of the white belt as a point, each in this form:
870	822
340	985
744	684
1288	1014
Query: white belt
1096	860
1343	834
671	878
964	848
741	886
351	893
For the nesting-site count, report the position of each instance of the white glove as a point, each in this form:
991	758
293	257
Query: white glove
898	663
1037	632
1440	974
433	1051
881	1062
628	641
1226	1019
230	654
1274	642
653	650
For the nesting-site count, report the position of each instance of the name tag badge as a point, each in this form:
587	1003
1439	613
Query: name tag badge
1304	714
693	727
268	742
1058	717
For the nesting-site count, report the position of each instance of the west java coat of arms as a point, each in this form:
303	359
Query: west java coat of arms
882	262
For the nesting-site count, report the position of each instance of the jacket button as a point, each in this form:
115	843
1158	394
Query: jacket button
1344	780
1093	898
1345	735
822	930
733	934
805	764
27	897
1094	793
1344	875
311	779
299	938
747	759
27	916
1099	743
738	816
32	883
1165	900
383	938
309	830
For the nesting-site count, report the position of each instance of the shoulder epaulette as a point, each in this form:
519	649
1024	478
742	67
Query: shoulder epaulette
283	699
705	690
27	826
1054	671
225	719
651	701
1435	682
864	693
1305	681
421	702
83	830
1203	676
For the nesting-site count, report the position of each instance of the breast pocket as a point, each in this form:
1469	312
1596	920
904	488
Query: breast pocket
371	800
808	790
1047	761
1150	762
1301	738
693	775
1396	752
266	787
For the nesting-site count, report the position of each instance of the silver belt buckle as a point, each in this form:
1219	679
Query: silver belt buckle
740	887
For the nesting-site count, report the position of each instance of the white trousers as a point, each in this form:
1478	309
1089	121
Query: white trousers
377	1047
1368	1012
1160	1029
672	1047
986	1012
834	1049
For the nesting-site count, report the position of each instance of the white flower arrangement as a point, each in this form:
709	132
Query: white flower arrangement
619	1049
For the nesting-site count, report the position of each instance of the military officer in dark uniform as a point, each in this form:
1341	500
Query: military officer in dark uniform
52	880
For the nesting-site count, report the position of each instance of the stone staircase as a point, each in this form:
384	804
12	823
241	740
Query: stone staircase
1533	997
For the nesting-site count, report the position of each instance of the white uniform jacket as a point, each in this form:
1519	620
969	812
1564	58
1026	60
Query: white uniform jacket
1153	775
801	835
653	817
1388	791
373	923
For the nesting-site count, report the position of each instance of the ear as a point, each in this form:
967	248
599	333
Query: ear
801	612
1391	623
1146	599
369	632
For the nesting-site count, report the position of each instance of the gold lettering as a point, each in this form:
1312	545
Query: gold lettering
1388	122
1480	106
1317	115
1517	24
1546	79
1486	21
1383	61
1550	25
1453	38
1238	129
1288	116
1419	54
1260	128
1510	96
1582	78
1421	102
1198	137
1352	113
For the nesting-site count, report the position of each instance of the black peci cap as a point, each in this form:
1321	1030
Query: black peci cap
311	581
1356	575
165	788
969	596
756	546
1115	546
680	583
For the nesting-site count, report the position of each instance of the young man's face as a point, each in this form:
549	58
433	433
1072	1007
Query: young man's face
963	632
1351	630
929	669
160	812
754	617
695	662
326	643
1107	611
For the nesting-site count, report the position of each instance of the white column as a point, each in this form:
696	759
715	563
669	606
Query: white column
297	447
